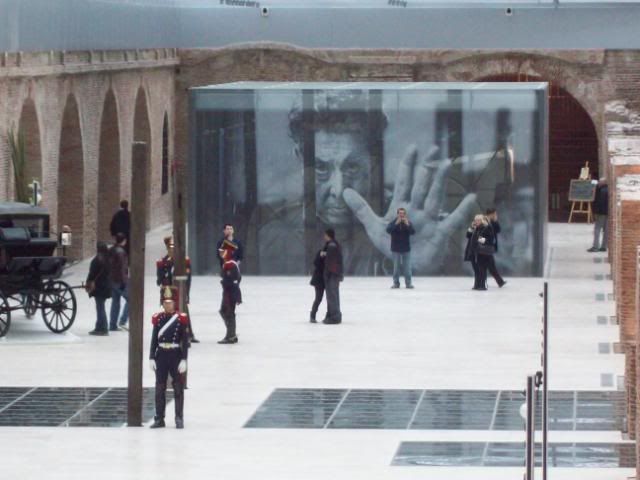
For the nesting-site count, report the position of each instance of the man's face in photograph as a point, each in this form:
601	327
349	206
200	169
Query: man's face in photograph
342	160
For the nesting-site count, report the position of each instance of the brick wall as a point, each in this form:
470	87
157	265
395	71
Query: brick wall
74	156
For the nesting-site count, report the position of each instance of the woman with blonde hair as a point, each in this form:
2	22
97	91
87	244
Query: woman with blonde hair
480	249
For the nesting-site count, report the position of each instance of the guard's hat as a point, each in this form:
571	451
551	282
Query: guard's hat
170	293
227	248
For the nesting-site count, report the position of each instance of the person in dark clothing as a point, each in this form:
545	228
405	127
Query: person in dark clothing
401	230
119	277
234	244
600	209
317	280
98	286
492	216
479	235
231	294
332	276
168	355
121	223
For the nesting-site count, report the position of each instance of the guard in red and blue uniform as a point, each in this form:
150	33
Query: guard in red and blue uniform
231	294
165	272
168	355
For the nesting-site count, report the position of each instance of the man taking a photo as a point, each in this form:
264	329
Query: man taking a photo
400	230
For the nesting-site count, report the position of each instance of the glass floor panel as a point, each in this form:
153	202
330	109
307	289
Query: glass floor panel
434	409
511	454
70	406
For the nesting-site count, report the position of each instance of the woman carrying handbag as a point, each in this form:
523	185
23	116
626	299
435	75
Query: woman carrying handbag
480	250
97	286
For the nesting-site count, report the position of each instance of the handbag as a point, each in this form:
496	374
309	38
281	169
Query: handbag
483	249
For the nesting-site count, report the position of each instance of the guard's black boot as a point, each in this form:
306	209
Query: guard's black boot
231	336
158	423
312	317
232	329
178	400
161	402
179	423
225	319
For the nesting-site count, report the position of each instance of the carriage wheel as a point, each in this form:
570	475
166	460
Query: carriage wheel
58	306
30	302
5	316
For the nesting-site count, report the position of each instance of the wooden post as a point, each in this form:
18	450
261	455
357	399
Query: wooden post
179	223
136	282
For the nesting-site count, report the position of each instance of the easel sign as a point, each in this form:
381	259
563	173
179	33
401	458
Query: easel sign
581	194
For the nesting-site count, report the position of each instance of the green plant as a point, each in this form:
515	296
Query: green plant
19	160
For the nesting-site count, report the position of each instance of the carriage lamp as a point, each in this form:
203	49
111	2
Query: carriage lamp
65	236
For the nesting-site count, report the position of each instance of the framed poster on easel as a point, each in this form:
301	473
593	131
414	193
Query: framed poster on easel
581	194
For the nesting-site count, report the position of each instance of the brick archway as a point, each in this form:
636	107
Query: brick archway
30	128
108	166
573	141
71	177
142	133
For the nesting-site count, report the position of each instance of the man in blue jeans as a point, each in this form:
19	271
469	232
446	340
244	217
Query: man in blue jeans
119	273
400	230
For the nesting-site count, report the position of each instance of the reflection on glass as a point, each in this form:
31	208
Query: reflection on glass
284	162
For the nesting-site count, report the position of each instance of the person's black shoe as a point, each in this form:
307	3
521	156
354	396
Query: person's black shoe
116	329
312	320
158	423
409	286
99	333
502	284
592	249
395	286
326	321
602	250
228	341
179	423
194	340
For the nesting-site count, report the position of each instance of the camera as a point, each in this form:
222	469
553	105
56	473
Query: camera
264	11
508	11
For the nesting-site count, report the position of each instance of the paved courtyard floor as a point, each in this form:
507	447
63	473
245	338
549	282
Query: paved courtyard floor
397	354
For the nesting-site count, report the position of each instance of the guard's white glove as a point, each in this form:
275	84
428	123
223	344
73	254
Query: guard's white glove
482	240
182	366
152	365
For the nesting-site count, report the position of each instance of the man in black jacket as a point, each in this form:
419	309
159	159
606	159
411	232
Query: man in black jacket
121	223
332	276
601	212
492	216
400	230
228	241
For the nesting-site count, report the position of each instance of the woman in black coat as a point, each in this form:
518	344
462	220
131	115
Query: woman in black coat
480	243
317	280
98	287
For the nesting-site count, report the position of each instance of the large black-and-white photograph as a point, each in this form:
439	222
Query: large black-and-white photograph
284	162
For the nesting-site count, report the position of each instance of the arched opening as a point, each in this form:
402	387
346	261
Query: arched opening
142	133
573	141
30	129
165	154
71	178
108	166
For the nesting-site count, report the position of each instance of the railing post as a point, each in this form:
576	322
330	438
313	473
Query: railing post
530	443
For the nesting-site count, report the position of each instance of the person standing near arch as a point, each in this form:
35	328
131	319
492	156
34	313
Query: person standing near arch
121	223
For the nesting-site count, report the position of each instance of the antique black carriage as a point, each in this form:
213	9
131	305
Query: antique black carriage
29	270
